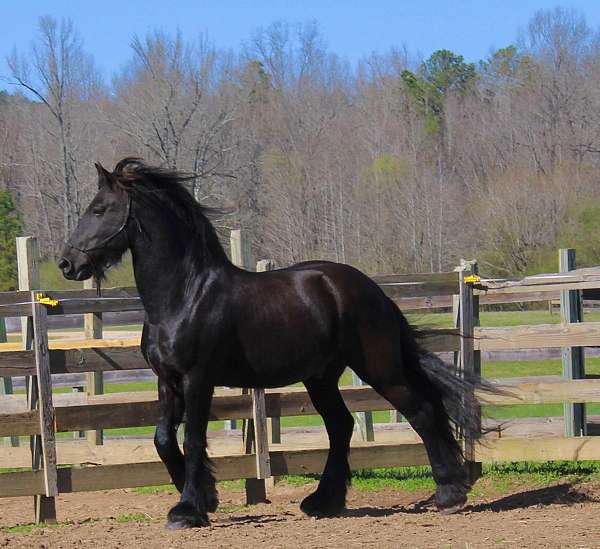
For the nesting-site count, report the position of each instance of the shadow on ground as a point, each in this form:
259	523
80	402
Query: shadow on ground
558	494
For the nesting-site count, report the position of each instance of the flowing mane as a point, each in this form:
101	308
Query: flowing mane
165	189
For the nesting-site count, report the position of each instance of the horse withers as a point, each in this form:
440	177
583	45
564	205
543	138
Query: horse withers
209	323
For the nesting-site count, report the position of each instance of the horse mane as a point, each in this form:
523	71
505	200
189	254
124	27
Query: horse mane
165	189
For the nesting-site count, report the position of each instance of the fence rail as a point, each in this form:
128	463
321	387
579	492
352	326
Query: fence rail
19	416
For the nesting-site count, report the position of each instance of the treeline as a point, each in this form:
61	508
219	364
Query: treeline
390	164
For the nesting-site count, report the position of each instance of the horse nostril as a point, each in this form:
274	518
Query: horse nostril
64	264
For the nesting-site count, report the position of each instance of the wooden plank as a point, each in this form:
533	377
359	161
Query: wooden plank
131	410
539	336
540	449
425	302
226	468
114	354
417	278
543	286
573	366
486	298
73	301
17	363
68	344
297	462
532	392
46	409
419	289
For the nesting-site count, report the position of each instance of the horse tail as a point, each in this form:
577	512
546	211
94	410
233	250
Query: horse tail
457	391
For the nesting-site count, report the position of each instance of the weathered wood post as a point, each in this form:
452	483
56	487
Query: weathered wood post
573	361
47	511
274	423
6	385
364	420
466	315
254	430
29	279
241	256
93	328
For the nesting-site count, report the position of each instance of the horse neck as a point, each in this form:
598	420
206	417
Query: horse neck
169	264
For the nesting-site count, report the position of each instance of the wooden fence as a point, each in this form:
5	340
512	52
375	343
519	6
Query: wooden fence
42	415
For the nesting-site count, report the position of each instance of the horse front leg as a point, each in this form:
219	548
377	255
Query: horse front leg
199	495
171	407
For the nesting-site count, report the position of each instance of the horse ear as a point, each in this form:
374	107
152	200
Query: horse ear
104	177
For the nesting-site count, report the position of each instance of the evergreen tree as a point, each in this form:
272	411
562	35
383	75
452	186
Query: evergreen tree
11	225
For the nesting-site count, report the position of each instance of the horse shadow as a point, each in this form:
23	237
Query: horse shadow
557	494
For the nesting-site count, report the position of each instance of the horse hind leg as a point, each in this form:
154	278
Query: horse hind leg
429	419
329	499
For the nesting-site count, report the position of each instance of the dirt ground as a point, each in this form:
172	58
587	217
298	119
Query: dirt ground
555	516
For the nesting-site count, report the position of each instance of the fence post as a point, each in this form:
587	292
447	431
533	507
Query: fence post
364	420
46	408
241	257
254	430
94	380
6	385
274	423
29	279
573	365
466	315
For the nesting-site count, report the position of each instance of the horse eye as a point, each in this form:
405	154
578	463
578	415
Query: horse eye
98	212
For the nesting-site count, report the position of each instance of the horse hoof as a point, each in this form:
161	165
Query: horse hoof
177	525
315	505
450	498
451	510
183	515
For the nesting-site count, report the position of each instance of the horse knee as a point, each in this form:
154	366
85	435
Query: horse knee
164	439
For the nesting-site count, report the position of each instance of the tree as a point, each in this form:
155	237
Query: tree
58	74
11	226
442	73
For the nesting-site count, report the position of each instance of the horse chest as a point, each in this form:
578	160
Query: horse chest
169	350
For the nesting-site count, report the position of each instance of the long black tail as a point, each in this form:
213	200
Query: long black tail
458	393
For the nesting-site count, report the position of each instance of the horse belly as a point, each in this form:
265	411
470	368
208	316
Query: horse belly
272	369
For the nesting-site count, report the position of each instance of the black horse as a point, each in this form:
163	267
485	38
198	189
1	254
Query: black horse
209	323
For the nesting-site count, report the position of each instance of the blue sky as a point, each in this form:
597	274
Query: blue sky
351	28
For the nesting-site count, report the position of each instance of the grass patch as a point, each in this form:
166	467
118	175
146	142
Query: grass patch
27	528
497	478
134	517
